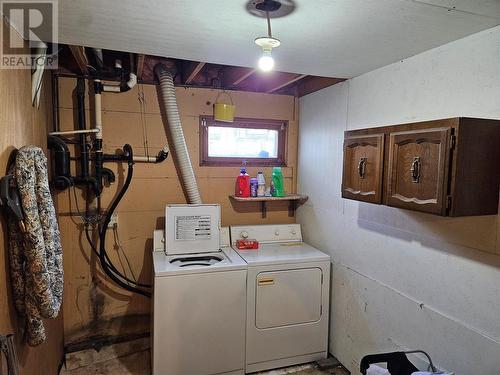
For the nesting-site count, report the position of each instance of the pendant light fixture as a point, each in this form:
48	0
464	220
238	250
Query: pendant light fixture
267	43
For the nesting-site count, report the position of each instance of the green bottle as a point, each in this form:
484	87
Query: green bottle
277	179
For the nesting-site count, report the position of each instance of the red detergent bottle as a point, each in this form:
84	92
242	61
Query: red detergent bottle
242	188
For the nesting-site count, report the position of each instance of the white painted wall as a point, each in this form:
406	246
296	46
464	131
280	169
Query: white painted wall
404	280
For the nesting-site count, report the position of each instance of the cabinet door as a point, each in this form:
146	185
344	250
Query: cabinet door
418	170
362	174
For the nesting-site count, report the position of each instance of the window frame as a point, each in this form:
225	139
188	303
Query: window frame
249	123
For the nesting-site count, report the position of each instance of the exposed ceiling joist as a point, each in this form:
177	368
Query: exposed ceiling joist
292	79
312	83
233	76
191	71
244	76
140	65
80	57
74	61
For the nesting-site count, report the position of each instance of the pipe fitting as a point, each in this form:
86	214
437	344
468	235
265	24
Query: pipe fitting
124	86
162	155
161	69
132	81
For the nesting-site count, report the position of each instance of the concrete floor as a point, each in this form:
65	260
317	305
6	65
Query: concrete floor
133	358
130	364
308	369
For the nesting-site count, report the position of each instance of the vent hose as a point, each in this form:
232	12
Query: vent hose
167	89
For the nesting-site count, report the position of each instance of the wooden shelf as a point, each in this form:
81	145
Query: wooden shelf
294	200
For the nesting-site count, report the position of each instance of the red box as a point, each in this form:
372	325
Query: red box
247	244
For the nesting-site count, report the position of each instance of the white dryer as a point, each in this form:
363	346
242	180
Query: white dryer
199	296
287	297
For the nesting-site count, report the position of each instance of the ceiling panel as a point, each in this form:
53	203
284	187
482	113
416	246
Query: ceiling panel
489	8
335	38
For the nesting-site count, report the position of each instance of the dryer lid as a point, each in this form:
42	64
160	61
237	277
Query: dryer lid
192	228
282	253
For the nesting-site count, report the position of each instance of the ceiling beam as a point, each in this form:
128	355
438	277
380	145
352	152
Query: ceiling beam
233	76
289	80
244	76
140	65
191	70
314	83
80	57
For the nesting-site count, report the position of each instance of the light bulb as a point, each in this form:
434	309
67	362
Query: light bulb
266	61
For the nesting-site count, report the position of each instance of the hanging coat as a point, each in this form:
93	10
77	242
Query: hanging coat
35	255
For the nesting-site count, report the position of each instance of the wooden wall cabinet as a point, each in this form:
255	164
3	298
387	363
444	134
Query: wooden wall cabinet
362	173
418	167
447	167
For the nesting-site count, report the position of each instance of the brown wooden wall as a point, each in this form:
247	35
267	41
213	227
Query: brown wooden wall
21	124
92	305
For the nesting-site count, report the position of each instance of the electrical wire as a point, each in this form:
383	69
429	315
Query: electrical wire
108	261
120	248
93	220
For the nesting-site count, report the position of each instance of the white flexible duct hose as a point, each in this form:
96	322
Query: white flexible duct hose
178	141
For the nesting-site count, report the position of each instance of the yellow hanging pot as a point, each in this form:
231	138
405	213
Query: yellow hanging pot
223	111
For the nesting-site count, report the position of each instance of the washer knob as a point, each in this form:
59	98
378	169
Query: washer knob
277	233
294	232
244	234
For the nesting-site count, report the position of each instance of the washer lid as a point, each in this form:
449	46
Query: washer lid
192	228
282	253
173	265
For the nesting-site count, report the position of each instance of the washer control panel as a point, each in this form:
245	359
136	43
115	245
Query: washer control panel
267	233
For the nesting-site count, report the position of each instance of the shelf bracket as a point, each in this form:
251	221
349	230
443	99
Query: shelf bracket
294	200
292	206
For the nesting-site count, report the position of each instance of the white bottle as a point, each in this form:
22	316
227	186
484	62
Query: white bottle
261	184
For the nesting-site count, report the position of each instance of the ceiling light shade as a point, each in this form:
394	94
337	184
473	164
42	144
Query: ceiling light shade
267	42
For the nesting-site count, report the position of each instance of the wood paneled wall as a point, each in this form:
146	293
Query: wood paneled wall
93	306
21	124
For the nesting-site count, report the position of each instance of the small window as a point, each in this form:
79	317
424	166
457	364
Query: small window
256	142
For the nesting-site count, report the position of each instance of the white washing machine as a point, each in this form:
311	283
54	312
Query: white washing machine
199	296
287	297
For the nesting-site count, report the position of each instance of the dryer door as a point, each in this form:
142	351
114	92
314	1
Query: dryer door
288	297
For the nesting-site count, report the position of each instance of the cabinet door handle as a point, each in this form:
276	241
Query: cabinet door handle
362	167
266	281
415	169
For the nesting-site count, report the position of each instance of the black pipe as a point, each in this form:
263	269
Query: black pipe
80	96
98	162
62	175
55	103
61	155
86	181
127	152
124	87
98	87
97	147
108	175
162	155
113	157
